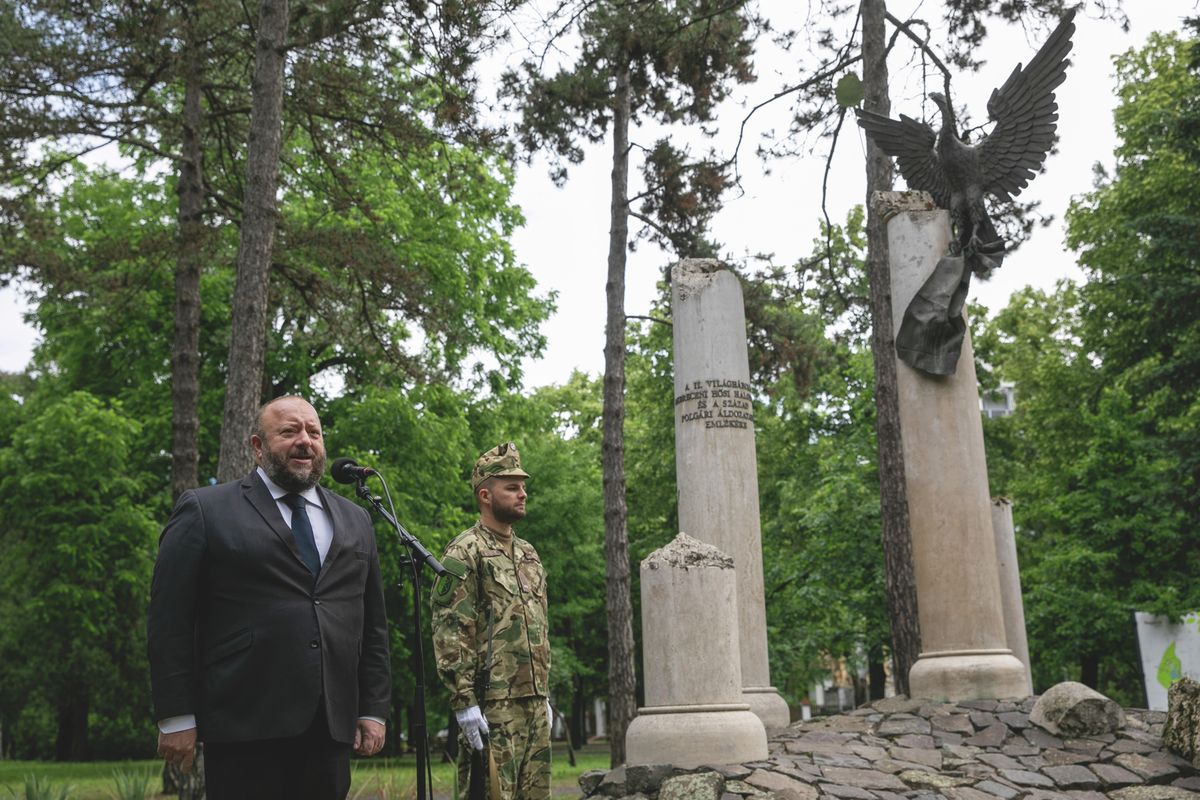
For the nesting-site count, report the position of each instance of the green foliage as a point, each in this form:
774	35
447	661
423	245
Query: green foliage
37	788
77	551
133	784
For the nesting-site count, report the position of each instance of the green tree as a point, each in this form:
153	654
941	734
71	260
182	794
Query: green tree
76	553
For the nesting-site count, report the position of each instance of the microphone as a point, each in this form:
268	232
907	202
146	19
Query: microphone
347	470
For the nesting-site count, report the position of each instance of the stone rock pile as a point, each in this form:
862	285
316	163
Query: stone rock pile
923	750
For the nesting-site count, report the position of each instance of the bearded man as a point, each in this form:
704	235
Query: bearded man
491	634
266	635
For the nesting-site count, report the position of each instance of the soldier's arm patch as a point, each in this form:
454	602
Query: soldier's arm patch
446	584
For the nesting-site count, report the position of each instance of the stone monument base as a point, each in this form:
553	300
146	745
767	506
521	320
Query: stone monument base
768	705
690	736
953	675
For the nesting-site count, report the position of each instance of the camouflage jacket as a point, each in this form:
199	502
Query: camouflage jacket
481	577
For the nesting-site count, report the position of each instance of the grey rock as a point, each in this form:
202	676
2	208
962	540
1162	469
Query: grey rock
1113	776
917	741
741	788
952	723
1086	794
589	780
982	719
1192	783
998	789
1073	709
965	751
635	796
1072	776
864	778
1034	763
727	771
900	704
1023	777
646	778
781	785
869	752
1089	746
1151	770
1006	706
839	760
918	779
966	793
1181	732
1020	749
1041	739
1130	746
1059	758
975	770
697	786
1015	720
847	792
850	724
930	758
612	784
980	705
1152	793
991	736
898	725
999	761
944	739
1046	794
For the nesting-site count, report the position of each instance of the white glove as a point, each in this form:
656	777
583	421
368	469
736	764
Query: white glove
473	725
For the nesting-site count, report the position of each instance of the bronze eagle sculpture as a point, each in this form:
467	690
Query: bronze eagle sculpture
957	174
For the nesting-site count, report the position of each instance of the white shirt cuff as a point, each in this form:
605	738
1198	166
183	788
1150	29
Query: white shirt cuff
176	724
375	719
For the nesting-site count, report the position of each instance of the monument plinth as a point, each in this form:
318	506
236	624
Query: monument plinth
694	713
964	650
715	461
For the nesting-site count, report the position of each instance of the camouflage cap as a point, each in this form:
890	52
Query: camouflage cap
503	459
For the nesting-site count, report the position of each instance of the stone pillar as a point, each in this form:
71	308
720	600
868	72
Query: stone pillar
1010	584
715	462
964	651
694	713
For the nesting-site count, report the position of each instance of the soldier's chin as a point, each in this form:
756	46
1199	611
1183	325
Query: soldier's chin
509	516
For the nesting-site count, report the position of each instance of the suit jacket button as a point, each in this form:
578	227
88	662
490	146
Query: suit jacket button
316	602
314	644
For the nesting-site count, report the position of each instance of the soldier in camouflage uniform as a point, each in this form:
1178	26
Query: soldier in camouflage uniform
495	587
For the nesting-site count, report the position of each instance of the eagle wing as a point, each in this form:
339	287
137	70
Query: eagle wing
1026	117
911	143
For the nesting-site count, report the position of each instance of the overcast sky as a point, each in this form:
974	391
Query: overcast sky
564	241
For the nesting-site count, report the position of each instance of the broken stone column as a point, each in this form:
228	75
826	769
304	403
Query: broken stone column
715	462
1181	734
965	654
1010	584
694	712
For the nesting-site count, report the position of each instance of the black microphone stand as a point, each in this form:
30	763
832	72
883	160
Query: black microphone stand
417	555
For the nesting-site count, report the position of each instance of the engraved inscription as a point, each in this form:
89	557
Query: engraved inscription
716	403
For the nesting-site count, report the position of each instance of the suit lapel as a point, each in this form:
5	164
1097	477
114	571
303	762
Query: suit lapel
339	521
256	492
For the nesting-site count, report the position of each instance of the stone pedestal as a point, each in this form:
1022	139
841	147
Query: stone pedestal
965	654
694	712
1005	538
715	462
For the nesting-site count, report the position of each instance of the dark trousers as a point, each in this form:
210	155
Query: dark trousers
311	766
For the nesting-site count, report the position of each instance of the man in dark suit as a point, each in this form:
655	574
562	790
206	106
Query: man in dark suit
267	636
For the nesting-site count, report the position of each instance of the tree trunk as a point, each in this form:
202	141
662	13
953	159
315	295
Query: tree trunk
247	340
621	676
1089	670
71	743
897	535
185	363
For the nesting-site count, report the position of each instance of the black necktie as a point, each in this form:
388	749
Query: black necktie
303	533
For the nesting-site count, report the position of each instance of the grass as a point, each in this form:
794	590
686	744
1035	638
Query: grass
373	779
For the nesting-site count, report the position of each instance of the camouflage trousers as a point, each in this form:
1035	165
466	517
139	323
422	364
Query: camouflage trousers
519	738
